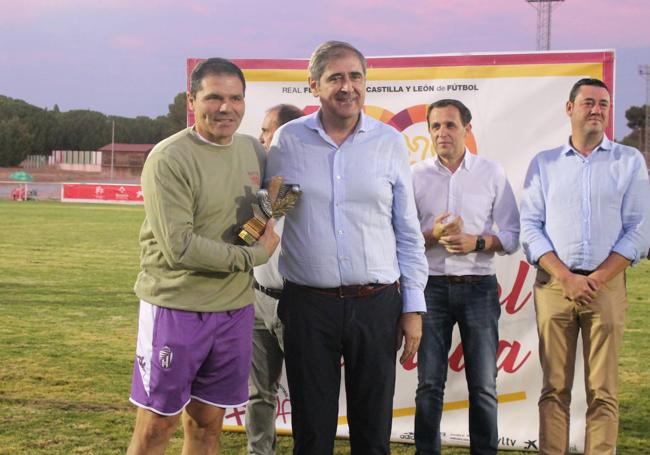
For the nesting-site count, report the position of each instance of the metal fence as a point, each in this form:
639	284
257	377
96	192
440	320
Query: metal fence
34	161
72	160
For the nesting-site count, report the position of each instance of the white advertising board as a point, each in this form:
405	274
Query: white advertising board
518	107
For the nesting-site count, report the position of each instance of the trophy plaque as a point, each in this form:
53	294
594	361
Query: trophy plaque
278	200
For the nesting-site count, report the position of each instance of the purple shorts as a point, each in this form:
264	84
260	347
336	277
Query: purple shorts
183	355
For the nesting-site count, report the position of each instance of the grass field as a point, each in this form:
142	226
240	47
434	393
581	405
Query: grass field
68	321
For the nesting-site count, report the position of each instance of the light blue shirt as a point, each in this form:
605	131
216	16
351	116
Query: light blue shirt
356	222
584	208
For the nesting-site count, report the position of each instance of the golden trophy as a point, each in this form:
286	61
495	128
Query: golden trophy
278	200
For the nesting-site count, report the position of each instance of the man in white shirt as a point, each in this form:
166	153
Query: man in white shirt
460	198
268	348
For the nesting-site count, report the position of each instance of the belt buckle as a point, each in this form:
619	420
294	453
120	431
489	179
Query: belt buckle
342	293
349	291
273	293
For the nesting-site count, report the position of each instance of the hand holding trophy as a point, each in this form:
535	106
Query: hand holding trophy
278	200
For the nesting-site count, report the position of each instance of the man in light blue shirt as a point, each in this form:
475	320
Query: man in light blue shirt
352	237
585	214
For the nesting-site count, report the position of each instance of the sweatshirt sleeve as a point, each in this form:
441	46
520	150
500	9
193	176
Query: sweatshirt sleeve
168	202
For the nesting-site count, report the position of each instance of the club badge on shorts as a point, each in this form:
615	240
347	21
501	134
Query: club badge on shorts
165	357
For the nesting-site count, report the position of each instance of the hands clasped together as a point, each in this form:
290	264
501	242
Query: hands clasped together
580	288
450	234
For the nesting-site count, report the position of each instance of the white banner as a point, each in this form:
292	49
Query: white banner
518	107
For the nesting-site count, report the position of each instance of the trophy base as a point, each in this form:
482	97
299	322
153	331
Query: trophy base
246	237
251	231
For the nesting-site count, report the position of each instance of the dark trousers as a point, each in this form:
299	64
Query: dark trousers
318	331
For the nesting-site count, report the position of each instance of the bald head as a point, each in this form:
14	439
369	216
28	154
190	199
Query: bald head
274	119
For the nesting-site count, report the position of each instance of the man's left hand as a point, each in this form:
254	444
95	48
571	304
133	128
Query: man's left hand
459	243
409	327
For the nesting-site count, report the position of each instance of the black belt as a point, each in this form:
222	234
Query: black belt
458	279
274	293
582	272
352	291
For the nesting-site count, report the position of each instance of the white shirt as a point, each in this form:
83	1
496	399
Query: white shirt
267	274
480	193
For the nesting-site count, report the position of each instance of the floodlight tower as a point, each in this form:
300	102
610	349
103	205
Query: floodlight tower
644	71
544	9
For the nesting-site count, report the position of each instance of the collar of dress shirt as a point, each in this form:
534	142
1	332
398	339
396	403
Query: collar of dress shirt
313	122
468	160
605	144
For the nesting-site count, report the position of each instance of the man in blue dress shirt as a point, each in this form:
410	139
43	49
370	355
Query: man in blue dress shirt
585	214
352	237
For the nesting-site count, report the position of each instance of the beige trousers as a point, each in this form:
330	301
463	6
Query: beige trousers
601	326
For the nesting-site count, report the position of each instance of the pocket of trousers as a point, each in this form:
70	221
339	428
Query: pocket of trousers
543	279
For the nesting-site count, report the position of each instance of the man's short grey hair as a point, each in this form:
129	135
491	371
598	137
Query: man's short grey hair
327	51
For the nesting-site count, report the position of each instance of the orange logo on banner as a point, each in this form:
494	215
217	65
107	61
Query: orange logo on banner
419	146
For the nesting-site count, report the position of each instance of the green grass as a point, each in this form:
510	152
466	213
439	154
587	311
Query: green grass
68	320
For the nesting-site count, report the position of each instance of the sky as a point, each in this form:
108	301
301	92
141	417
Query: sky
123	57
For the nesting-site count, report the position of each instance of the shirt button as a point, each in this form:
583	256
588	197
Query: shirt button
340	231
338	177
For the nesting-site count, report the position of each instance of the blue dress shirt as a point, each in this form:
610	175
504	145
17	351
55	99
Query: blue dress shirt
356	222
584	208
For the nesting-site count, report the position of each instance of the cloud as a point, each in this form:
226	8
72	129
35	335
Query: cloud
602	23
198	7
30	12
129	42
84	37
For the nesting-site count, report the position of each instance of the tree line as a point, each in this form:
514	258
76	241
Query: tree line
30	130
635	117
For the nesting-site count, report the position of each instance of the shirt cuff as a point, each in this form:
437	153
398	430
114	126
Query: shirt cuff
509	242
537	249
413	301
627	249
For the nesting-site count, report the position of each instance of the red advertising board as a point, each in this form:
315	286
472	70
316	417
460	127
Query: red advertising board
103	193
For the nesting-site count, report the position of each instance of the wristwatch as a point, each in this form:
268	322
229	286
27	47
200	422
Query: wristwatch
480	243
